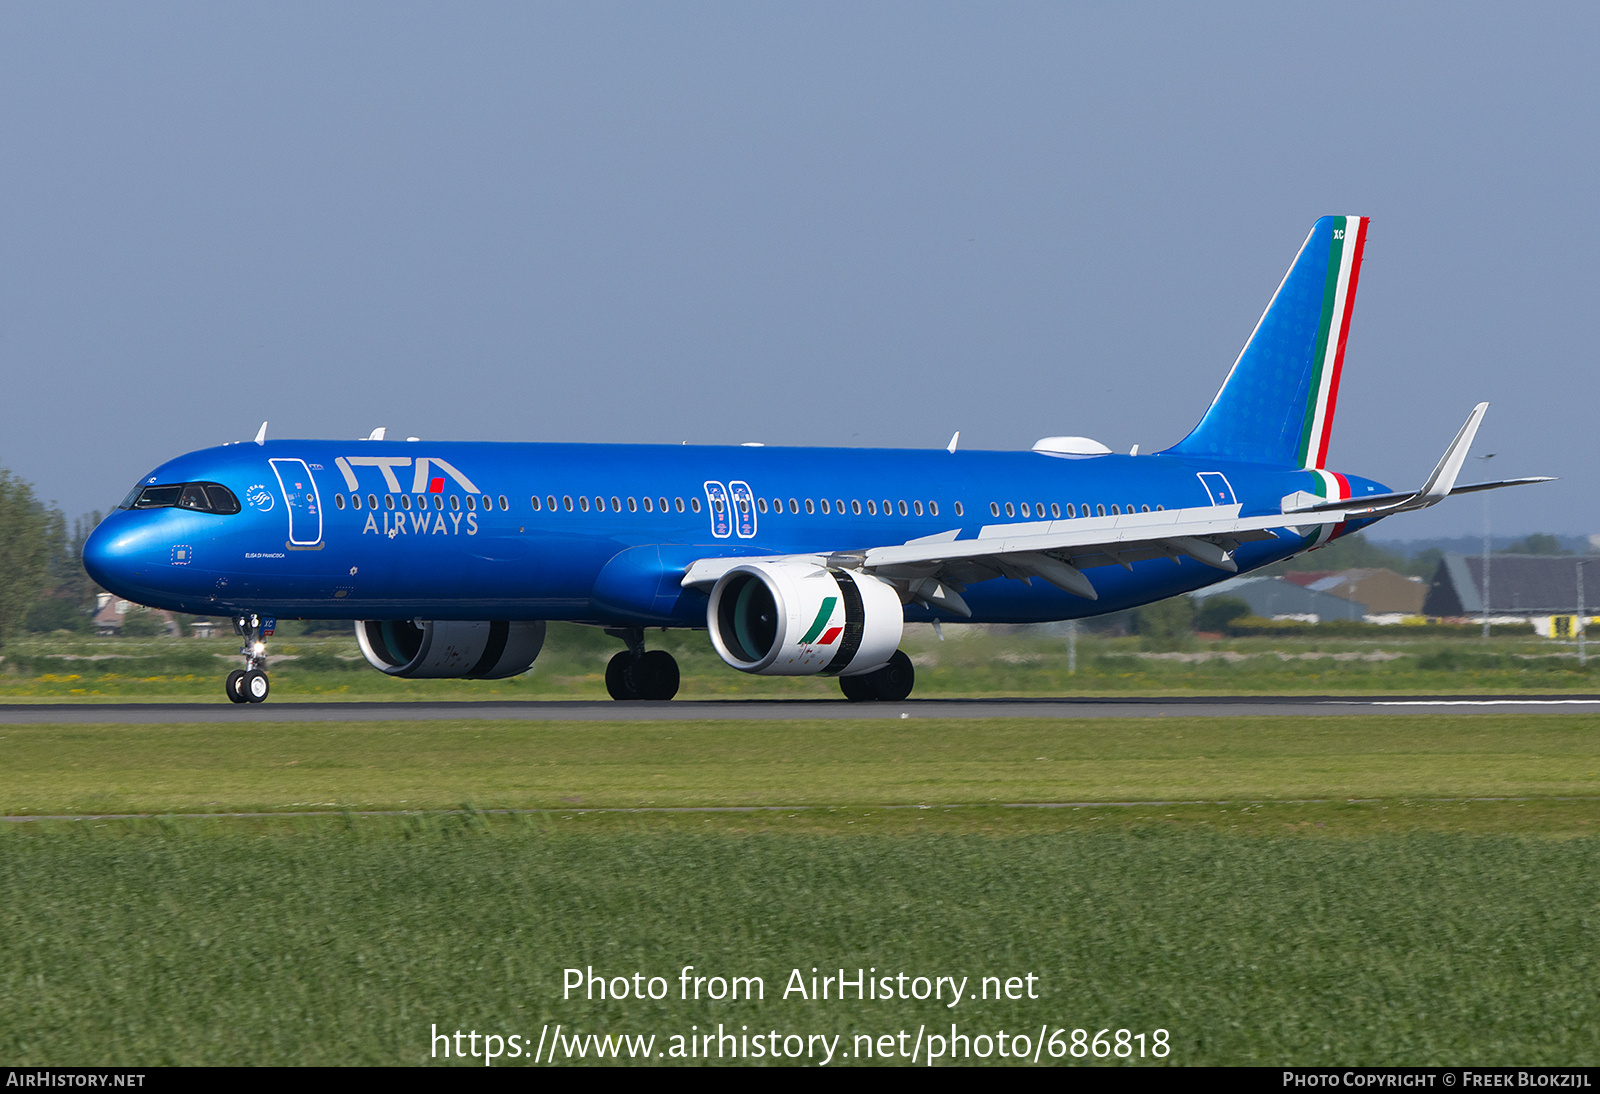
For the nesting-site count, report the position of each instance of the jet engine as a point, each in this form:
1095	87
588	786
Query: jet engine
789	618
450	649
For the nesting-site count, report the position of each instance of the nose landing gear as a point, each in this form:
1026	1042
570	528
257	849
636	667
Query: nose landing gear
250	684
636	673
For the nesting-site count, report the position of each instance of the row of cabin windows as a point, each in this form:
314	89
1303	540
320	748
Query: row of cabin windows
651	505
473	501
777	505
1055	509
905	509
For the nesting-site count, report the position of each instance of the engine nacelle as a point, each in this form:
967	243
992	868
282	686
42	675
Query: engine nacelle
799	619
450	649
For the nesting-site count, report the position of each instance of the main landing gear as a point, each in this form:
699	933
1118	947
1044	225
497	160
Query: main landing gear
890	684
249	684
636	673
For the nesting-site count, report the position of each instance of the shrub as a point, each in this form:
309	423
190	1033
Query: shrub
1166	624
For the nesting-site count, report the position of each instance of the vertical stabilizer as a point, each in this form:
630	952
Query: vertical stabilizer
1277	403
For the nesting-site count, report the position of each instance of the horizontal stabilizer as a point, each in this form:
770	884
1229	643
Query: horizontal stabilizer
1440	485
1379	501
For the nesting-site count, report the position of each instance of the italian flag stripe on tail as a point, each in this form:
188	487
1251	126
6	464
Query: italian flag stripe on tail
1338	298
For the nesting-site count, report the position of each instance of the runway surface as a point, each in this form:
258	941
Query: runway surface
789	710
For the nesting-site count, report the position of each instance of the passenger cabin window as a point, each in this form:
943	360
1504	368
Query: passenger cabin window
1024	509
794	506
338	501
550	502
355	501
994	509
633	505
810	509
824	504
933	508
761	505
916	507
694	503
616	504
649	506
1055	510
438	501
1100	510
663	503
405	501
388	501
566	502
872	508
583	503
372	501
455	501
1010	512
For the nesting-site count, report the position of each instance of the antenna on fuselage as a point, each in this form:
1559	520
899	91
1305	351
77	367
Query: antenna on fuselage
951	447
376	434
261	434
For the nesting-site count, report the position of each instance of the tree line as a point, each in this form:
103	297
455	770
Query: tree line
43	585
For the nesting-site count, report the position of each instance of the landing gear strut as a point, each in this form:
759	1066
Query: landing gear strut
250	684
890	684
636	673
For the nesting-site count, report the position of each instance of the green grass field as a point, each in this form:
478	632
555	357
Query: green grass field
57	769
973	662
1411	925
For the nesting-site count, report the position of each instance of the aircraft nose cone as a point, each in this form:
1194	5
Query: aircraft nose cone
109	554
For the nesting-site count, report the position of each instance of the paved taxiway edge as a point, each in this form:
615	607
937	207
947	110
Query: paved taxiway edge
785	710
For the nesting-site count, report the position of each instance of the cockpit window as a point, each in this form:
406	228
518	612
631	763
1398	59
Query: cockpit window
158	497
207	497
222	499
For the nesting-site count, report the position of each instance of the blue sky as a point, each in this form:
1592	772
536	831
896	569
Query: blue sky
851	224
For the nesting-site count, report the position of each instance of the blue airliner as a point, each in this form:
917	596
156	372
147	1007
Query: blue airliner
451	557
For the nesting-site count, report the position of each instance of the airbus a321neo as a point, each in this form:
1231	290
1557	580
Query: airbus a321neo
450	557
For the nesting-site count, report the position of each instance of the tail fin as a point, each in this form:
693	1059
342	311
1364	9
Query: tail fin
1276	406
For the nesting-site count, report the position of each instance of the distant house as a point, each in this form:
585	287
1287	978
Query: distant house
1522	589
111	611
1382	591
1275	598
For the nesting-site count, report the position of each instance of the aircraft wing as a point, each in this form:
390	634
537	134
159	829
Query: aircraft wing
935	570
